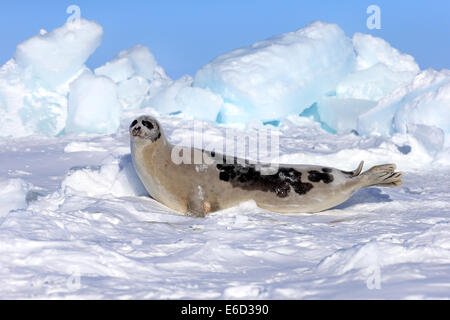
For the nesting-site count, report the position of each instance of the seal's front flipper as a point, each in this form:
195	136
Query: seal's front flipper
197	205
196	208
382	176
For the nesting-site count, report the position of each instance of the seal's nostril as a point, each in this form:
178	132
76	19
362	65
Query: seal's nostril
136	131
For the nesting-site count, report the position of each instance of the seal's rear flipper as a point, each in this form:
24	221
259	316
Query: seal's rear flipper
382	176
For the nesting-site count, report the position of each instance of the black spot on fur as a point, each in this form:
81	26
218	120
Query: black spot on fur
148	124
350	173
248	178
133	123
224	176
316	176
327	170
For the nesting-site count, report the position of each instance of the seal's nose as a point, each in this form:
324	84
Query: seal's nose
136	131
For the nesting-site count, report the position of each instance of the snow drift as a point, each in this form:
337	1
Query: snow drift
13	193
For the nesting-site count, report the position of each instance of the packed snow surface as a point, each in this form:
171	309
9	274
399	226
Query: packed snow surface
76	222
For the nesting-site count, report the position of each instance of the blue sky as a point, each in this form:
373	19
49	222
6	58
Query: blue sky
184	35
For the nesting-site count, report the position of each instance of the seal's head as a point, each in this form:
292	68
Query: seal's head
145	127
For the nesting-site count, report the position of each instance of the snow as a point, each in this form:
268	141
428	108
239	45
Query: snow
373	83
132	92
142	60
430	108
53	58
165	100
282	75
114	177
380	69
133	71
88	230
93	105
199	103
372	51
424	101
76	222
342	114
12	195
232	114
119	69
27	110
35	83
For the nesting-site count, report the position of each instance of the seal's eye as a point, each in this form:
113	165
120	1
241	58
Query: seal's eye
148	124
133	123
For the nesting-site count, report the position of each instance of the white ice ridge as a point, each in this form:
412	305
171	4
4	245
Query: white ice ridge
34	85
282	75
423	103
13	193
359	84
93	105
54	57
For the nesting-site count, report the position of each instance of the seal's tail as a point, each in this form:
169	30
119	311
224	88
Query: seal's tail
382	176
